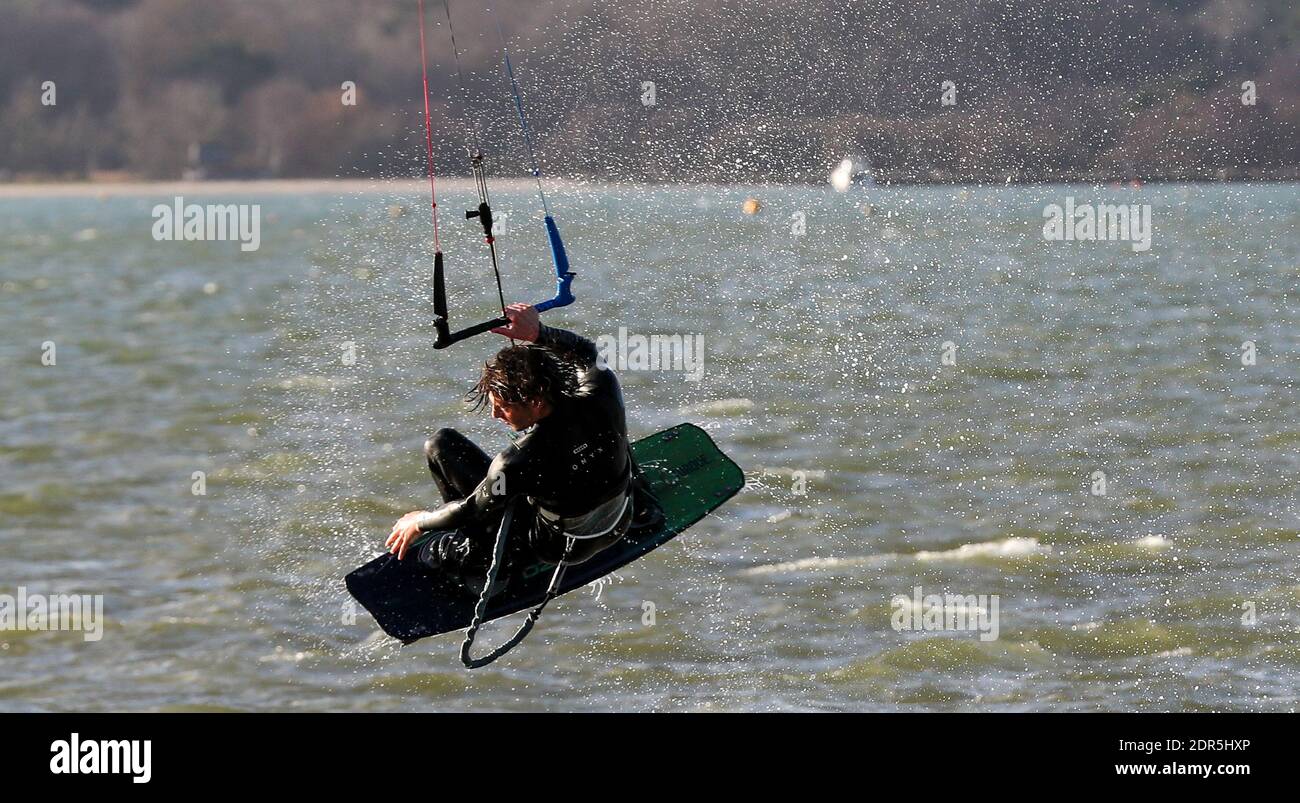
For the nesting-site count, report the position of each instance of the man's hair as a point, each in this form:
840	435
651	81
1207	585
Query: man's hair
523	374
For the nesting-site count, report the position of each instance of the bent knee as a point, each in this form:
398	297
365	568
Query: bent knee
441	441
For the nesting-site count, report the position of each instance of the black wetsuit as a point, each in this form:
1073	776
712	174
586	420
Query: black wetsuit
571	466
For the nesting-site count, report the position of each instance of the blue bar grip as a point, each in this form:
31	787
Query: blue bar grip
563	276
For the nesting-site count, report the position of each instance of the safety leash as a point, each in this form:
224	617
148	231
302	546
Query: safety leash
480	609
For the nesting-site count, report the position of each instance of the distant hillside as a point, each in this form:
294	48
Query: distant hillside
764	90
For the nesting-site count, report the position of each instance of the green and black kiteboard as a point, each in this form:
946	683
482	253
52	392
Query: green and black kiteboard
689	477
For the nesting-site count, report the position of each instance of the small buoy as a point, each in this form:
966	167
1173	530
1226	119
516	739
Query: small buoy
751	206
395	211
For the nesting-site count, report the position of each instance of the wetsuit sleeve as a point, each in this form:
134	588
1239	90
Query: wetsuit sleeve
597	380
505	479
569	344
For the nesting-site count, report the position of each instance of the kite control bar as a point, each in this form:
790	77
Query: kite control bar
562	298
563	276
445	336
559	258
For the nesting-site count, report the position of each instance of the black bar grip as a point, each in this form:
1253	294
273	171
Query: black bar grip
446	338
439	289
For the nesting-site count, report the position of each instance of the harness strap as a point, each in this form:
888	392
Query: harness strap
480	609
555	524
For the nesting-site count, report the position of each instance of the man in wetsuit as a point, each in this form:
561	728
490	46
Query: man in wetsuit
572	465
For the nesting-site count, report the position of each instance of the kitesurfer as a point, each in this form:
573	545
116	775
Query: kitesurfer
572	465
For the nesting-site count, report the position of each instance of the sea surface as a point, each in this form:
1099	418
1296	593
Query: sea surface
924	392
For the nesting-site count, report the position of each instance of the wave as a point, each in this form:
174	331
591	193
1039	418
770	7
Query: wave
815	564
1007	548
1015	547
1152	542
721	407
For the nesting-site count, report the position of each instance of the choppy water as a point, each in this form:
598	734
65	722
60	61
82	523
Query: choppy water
823	356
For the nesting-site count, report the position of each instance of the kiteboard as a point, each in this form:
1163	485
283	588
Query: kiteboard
688	477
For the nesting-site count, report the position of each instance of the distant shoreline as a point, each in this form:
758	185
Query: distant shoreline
228	187
403	186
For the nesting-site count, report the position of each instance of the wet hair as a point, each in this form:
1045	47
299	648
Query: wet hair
524	374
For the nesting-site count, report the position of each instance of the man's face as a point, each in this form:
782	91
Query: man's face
517	416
